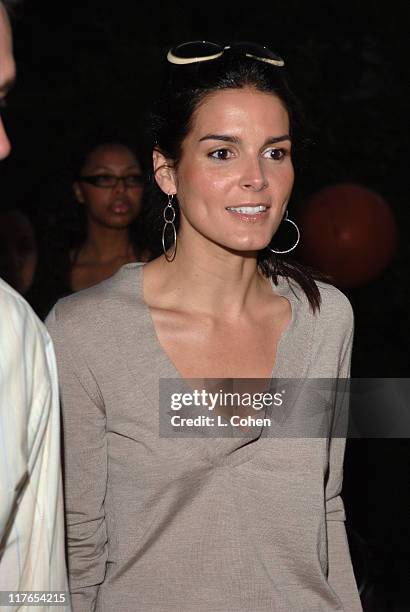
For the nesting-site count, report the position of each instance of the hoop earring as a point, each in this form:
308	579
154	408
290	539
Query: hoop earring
297	237
169	222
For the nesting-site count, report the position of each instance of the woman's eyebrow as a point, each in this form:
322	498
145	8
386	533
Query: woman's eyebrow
236	140
274	139
223	137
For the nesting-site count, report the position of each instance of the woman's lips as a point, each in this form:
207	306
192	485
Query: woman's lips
120	207
250	214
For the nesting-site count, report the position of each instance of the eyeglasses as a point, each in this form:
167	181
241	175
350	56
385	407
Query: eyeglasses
203	51
108	181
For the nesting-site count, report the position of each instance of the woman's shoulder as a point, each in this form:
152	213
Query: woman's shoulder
334	321
321	340
334	303
335	311
96	303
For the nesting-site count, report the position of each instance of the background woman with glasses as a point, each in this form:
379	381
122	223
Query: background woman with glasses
86	241
110	188
213	522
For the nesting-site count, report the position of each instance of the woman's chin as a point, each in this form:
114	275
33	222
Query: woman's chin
246	250
247	244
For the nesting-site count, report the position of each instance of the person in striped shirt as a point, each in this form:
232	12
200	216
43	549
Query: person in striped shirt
32	556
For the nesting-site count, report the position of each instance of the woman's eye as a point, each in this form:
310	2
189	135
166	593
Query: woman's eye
220	154
276	154
103	179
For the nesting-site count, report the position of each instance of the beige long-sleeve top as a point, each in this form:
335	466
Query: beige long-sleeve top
170	524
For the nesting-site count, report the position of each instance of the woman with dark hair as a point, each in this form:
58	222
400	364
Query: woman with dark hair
220	519
109	188
86	241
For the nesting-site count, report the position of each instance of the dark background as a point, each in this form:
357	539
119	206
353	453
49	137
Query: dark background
99	63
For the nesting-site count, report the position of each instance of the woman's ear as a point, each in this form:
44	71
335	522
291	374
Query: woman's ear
78	192
164	172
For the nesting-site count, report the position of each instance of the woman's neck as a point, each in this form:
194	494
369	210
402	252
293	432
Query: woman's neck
104	245
209	279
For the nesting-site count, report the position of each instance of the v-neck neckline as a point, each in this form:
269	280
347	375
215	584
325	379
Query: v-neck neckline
282	289
154	373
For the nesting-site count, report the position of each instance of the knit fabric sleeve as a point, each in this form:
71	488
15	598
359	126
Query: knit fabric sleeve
340	571
85	468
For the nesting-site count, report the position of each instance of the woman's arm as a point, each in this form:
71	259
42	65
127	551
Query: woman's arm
85	468
340	575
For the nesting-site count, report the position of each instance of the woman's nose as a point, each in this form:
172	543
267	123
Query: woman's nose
253	176
120	186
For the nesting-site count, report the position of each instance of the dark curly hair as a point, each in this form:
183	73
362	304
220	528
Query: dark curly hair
171	120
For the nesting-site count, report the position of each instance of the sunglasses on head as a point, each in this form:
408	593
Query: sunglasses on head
204	51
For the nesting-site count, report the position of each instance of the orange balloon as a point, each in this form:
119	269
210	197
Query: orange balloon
347	232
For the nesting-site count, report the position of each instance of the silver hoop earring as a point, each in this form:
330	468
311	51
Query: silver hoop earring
169	222
297	237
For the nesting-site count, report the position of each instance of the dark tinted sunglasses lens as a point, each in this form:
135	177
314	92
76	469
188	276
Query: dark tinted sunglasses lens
256	50
196	48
